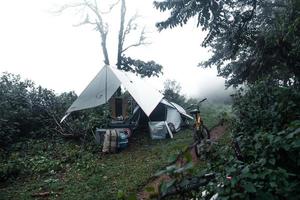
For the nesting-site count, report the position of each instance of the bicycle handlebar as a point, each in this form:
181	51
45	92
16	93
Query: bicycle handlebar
202	100
197	103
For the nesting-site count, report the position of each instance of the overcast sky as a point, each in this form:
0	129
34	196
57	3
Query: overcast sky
49	50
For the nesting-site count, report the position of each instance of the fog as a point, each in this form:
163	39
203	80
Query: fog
49	50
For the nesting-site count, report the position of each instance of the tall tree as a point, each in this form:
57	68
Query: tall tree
172	91
94	16
250	39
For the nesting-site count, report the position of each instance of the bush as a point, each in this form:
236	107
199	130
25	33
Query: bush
28	111
11	168
267	127
24	109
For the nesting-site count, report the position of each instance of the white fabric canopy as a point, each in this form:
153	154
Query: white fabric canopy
181	110
98	92
105	84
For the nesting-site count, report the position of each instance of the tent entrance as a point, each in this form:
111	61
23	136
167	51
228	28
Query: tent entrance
159	113
119	107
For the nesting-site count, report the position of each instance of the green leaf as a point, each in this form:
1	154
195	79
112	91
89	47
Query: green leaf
249	187
246	170
120	194
296	144
132	197
293	134
188	156
150	189
172	158
264	195
184	168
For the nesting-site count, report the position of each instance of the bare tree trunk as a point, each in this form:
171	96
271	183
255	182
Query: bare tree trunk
121	33
104	48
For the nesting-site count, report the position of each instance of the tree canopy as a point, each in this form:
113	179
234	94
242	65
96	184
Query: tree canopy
250	39
172	91
255	43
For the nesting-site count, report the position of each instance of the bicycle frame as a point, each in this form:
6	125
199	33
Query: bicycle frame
198	121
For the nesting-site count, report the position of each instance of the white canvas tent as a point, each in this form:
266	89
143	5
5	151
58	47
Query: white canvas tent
105	84
149	100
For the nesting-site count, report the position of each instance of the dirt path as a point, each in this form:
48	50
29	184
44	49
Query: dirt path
215	133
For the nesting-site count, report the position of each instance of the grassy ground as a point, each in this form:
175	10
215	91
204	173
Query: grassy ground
72	173
68	171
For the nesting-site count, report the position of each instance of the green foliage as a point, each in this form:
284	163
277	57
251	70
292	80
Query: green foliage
255	43
249	38
267	127
140	67
172	90
11	168
269	130
26	110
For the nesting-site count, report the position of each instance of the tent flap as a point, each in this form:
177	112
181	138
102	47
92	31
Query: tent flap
98	92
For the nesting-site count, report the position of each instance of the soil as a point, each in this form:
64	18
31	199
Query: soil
215	133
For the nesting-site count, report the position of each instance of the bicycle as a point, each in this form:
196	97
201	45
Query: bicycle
201	133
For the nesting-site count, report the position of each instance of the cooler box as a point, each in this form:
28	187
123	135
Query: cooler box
122	139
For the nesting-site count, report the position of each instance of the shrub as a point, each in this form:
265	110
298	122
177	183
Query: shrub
267	127
28	112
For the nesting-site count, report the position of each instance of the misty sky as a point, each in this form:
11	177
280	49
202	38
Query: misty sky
49	50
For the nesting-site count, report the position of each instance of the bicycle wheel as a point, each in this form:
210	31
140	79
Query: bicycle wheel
205	133
201	134
200	137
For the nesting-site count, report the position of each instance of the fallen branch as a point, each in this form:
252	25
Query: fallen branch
45	194
41	194
62	130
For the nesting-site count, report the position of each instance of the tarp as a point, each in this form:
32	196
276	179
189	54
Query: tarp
98	92
177	107
106	83
181	110
144	95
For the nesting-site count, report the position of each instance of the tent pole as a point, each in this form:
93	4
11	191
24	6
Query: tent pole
105	83
106	105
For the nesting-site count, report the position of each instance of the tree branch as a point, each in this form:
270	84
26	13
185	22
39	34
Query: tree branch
100	26
142	41
130	26
66	7
111	7
86	21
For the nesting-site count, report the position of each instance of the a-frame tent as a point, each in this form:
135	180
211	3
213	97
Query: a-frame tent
106	83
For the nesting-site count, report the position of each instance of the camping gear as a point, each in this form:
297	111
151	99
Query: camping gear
159	130
122	139
99	135
115	140
151	104
110	143
170	112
